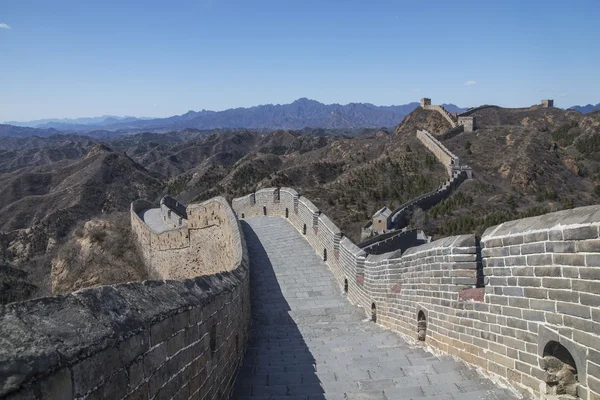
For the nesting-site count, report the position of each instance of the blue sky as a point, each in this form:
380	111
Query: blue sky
74	58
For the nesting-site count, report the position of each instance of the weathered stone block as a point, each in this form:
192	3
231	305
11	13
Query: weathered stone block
556	283
535	293
519	302
529	281
161	331
548	271
581	233
563	295
515	261
533	248
569	259
555	234
544	305
539	259
575	310
535	237
512	240
512	291
590	300
560	247
586	286
134	347
93	371
592	273
155	358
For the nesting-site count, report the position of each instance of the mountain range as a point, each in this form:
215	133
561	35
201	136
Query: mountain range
296	115
586	109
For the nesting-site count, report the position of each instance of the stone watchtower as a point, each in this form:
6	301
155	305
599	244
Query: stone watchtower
425	102
548	103
468	123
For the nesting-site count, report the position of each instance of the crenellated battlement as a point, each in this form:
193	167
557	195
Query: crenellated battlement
513	303
183	336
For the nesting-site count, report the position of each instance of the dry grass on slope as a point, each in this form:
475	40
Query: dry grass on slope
98	252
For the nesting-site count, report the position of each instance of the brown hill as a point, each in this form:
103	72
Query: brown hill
42	204
526	162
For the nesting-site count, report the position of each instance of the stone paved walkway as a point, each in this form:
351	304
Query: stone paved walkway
308	342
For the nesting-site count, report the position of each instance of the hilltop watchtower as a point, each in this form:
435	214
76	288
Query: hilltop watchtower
547	103
425	102
468	123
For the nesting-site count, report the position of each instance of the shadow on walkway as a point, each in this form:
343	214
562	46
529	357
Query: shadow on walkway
277	362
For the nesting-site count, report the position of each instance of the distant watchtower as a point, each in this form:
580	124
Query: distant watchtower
425	102
468	123
548	103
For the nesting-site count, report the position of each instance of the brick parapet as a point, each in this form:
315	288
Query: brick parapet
542	279
165	338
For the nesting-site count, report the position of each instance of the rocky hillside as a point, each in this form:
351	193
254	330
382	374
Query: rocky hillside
40	205
525	162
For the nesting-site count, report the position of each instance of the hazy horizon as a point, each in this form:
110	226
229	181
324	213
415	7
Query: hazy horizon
73	59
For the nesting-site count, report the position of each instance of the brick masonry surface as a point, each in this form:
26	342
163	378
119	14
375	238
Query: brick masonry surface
497	303
308	342
158	339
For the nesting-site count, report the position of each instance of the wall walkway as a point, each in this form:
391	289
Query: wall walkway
542	290
308	341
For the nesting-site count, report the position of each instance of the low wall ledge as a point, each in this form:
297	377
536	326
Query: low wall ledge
579	217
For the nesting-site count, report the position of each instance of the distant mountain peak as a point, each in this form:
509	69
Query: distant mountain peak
586	109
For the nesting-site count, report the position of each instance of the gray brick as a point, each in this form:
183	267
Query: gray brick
492	242
587	339
570	272
557	283
536	293
563	295
512	291
544	305
592	273
560	247
514	250
575	310
569	259
581	233
520	302
512	261
533	248
586	286
555	234
535	237
539	259
588	246
512	312
590	300
534	315
530	281
523	271
512	240
548	271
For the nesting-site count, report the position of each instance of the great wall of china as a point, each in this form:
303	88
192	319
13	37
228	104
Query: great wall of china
522	303
525	295
168	338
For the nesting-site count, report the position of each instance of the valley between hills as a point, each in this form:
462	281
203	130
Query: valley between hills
64	223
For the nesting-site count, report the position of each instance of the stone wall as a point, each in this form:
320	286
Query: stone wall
199	247
442	111
468	123
173	213
497	304
153	339
440	151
